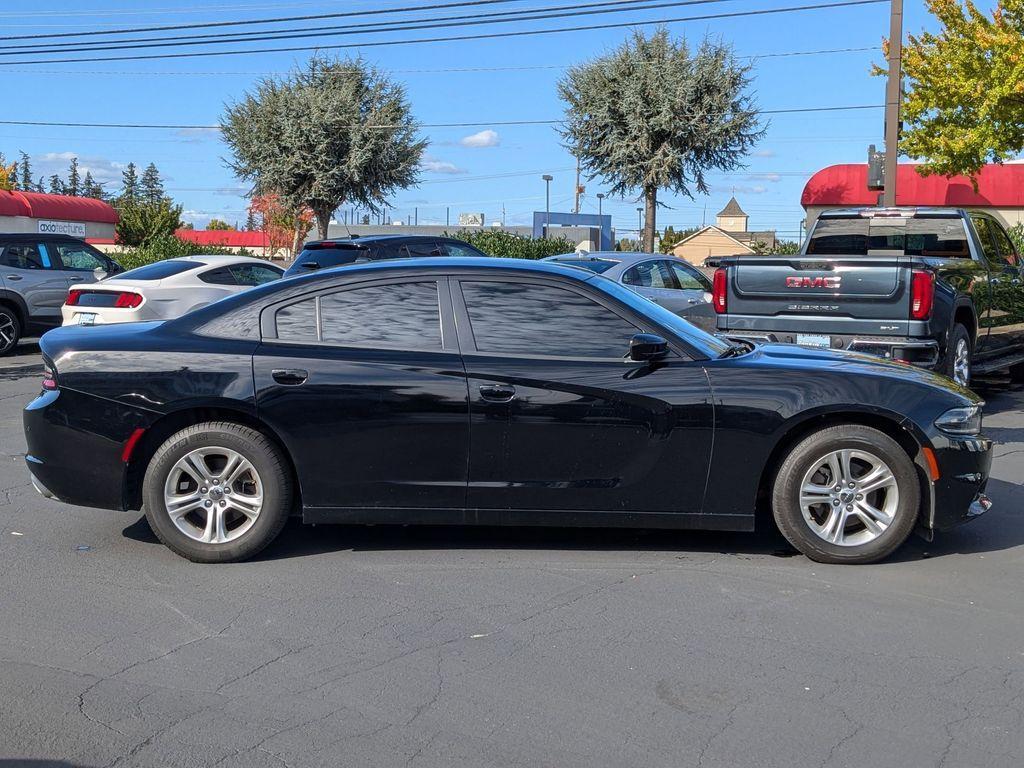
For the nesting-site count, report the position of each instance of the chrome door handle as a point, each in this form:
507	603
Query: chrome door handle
498	393
13	277
693	301
291	377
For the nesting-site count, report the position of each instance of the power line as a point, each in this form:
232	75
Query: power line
440	70
467	124
402	25
458	38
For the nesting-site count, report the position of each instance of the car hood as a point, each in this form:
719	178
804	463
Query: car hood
854	362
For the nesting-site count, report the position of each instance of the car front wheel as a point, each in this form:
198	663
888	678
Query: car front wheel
10	330
217	492
846	494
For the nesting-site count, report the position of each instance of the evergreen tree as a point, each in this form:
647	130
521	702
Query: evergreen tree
25	170
56	185
40	185
129	184
152	186
91	187
250	222
74	185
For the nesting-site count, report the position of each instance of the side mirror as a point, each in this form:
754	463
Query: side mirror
645	347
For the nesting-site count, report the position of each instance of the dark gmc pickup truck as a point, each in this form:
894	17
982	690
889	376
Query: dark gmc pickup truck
937	287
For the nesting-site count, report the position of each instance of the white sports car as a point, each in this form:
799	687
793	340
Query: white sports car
164	289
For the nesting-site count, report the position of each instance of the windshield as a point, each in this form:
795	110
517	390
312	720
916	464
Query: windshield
708	345
324	256
159	270
867	236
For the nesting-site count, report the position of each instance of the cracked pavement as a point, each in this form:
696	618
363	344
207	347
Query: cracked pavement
490	647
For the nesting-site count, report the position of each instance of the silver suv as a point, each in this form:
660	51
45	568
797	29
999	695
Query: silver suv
35	273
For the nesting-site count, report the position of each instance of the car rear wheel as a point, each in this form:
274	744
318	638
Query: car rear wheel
217	492
10	330
846	494
958	356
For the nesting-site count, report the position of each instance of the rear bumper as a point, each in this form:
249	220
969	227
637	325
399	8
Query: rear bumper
75	445
922	352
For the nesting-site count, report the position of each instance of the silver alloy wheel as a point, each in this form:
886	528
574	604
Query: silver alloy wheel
7	332
962	363
849	497
213	495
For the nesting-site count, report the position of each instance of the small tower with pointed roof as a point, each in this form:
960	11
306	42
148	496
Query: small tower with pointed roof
732	218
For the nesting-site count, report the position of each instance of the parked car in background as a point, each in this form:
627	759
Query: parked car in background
491	391
35	274
165	289
321	254
675	284
936	287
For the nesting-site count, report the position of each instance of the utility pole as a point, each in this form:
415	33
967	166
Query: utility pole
577	206
547	203
447	216
416	215
640	225
893	93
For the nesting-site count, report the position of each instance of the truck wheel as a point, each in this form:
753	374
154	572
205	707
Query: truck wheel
958	356
10	330
846	494
217	492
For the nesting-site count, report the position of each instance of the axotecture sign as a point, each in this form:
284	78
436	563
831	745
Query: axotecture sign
73	228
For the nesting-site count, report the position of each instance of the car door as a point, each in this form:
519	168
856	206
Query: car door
561	421
366	387
27	270
1007	289
695	288
651	279
996	319
79	262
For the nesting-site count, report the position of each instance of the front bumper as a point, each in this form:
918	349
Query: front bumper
959	494
922	352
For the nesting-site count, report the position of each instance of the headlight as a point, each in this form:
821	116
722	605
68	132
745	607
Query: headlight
965	420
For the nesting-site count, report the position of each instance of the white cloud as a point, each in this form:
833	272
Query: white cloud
764	153
197	135
103	170
772	177
434	165
486	138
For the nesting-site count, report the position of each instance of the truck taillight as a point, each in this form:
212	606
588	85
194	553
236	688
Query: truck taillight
922	294
718	287
73	297
128	300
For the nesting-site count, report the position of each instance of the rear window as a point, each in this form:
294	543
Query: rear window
593	265
159	270
323	257
863	236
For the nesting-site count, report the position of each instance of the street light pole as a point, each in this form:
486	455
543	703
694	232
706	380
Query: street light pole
640	225
893	92
547	202
600	200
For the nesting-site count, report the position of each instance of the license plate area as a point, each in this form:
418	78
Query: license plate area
87	318
814	340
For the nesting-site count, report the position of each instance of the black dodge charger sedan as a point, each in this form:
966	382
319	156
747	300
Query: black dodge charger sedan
490	391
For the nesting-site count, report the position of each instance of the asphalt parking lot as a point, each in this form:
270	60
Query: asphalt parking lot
492	647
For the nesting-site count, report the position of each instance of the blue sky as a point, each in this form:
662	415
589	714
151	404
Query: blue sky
484	168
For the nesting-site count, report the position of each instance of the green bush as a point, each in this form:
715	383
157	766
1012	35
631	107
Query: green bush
498	242
166	247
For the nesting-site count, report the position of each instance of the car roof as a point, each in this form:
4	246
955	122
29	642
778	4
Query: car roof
359	239
36	236
900	210
619	257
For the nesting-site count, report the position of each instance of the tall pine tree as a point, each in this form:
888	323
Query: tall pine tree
56	185
152	186
25	171
129	185
74	185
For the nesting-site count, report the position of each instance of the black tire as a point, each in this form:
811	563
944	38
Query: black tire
10	330
273	473
810	451
958	336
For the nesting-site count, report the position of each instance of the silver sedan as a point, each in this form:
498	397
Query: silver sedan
675	284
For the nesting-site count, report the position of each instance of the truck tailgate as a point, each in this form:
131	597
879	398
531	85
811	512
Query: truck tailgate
857	294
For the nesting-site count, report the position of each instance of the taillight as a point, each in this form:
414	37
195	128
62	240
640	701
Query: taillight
922	294
718	290
128	300
73	297
49	377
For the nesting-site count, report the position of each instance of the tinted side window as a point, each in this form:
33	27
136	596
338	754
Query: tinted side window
416	248
399	316
79	257
650	274
220	276
389	251
1007	253
461	249
531	319
23	257
689	278
984	229
254	274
